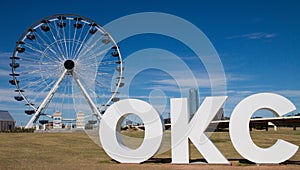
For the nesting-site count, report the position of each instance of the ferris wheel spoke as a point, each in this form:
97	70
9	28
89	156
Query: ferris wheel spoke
48	46
69	65
104	74
81	44
72	50
39	62
92	72
82	75
34	49
77	44
90	79
86	65
41	84
97	54
107	63
58	34
89	49
33	84
99	51
36	91
50	80
46	100
63	96
29	73
39	45
55	46
87	97
43	88
34	69
65	43
69	37
101	84
56	28
54	73
41	52
59	37
56	42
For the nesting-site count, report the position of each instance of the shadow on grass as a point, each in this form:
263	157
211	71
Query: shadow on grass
291	163
158	160
169	160
240	161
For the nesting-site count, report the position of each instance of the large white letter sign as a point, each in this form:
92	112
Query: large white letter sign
110	136
182	130
239	128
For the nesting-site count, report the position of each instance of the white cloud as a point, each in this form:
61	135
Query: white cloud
230	77
5	54
189	82
4	72
185	83
245	93
254	36
7	95
4	63
4	58
289	93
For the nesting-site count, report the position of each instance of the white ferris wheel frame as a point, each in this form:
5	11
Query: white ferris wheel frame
51	93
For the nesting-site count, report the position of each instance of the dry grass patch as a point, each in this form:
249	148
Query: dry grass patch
77	151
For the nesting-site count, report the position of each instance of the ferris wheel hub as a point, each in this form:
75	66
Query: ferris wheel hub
69	64
44	62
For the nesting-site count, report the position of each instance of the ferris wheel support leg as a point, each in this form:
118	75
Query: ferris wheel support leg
45	101
87	97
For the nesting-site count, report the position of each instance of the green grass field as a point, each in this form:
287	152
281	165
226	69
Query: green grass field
78	151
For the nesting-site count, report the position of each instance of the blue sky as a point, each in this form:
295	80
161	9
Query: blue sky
258	43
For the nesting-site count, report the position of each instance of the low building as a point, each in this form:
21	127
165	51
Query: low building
80	120
7	123
57	120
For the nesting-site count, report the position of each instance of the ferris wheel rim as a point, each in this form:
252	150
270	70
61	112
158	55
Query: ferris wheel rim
37	25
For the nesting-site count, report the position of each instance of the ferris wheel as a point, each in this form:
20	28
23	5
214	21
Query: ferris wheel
66	63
